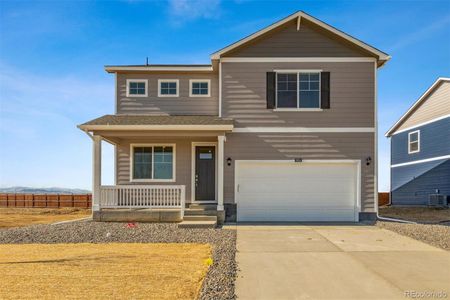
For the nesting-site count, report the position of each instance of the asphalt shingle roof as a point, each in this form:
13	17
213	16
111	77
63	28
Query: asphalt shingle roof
158	120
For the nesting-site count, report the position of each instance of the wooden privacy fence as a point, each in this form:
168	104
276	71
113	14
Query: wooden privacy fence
45	200
383	199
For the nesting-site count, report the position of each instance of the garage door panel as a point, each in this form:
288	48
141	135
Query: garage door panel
268	168
291	215
294	199
280	191
308	186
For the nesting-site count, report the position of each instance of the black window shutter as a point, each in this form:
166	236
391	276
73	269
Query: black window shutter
325	90
270	89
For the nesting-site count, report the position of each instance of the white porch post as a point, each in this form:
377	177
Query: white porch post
220	160
96	171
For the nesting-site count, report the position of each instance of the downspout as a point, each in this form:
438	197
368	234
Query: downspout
376	156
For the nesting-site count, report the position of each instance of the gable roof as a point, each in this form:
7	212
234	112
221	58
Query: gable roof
422	98
382	57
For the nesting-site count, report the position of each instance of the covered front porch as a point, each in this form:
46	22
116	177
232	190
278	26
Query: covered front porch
167	168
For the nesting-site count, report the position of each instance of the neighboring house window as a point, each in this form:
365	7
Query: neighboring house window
199	87
137	88
414	141
168	88
298	90
153	162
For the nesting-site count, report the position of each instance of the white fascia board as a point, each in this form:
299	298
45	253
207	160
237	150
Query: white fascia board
303	129
411	109
421	161
300	14
158	127
150	68
296	59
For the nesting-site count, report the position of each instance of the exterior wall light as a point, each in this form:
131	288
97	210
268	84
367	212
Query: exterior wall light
229	161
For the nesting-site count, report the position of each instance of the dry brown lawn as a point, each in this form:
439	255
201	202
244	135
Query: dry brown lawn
102	271
18	217
416	214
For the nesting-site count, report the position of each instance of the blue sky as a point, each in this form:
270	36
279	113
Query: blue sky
52	56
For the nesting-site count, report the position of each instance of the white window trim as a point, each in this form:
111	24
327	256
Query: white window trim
168	80
418	142
298	108
191	81
137	80
132	146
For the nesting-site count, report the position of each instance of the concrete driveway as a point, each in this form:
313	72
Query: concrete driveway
337	262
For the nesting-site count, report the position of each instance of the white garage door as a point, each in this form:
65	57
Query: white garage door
289	191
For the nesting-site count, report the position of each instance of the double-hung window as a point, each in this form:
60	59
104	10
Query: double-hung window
153	162
298	90
137	87
199	87
168	87
414	141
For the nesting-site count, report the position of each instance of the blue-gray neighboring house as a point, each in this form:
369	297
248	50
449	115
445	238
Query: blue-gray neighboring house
420	148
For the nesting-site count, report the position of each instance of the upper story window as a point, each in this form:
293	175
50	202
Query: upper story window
298	90
199	88
168	87
137	87
152	162
414	141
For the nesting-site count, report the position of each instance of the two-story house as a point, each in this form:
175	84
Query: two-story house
420	149
281	126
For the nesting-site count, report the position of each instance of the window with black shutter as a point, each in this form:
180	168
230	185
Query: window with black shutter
298	90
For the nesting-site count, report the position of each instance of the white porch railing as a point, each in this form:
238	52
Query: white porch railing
143	196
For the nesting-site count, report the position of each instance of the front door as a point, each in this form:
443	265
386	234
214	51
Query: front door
205	173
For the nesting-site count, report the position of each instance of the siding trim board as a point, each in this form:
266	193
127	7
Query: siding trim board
295	59
303	129
421	161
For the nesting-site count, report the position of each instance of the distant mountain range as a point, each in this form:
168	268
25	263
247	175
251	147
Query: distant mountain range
51	190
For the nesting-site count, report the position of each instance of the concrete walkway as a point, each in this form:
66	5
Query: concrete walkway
336	262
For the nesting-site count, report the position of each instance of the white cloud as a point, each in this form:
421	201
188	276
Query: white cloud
188	10
421	34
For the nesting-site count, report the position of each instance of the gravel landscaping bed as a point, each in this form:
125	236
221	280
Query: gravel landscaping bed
219	282
436	235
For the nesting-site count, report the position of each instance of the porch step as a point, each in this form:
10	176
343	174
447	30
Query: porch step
199	212
203	206
197	224
200	218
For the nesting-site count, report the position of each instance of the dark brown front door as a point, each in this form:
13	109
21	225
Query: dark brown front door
205	173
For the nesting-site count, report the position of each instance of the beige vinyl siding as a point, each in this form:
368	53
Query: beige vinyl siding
286	41
287	146
351	95
182	105
182	156
436	105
